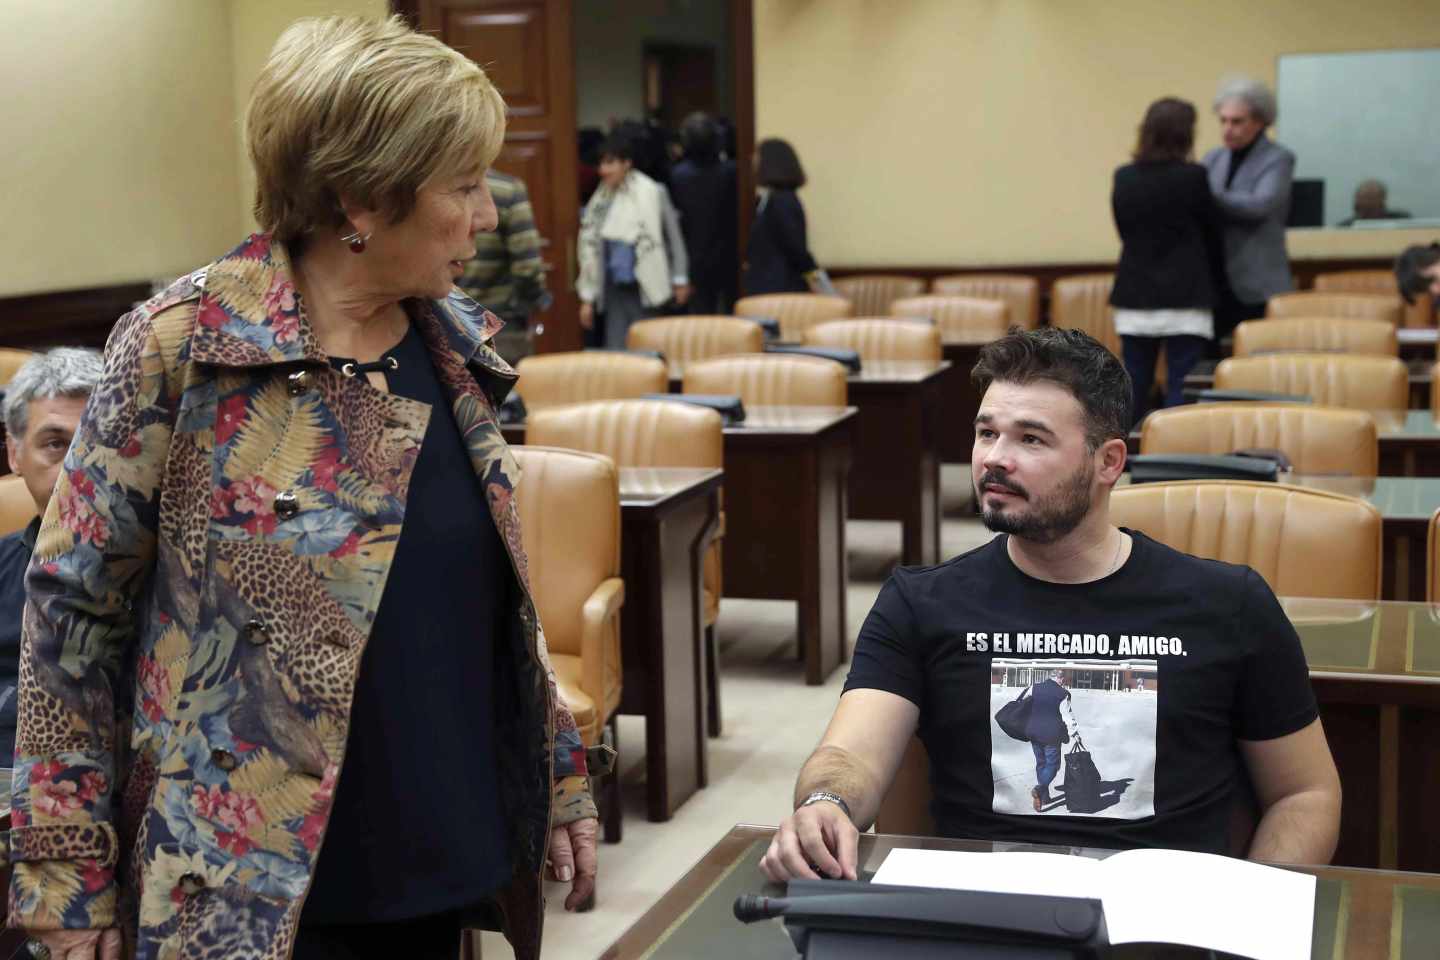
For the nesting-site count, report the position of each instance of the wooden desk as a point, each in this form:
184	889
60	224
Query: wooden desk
668	517
1359	914
1376	672
903	422
1202	377
786	478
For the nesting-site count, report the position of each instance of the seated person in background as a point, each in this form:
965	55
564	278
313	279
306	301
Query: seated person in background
1063	588
1370	205
43	403
1417	270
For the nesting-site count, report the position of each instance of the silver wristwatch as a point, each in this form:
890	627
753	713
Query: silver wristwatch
826	795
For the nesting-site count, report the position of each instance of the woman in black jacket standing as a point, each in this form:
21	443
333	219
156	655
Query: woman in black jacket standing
1169	278
778	257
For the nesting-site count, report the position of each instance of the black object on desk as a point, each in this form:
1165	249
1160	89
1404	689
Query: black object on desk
849	358
1243	396
728	405
512	410
770	326
853	920
1158	467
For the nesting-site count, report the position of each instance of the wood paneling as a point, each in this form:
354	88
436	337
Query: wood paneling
72	318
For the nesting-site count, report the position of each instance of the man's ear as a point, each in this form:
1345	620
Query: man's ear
1113	454
12	454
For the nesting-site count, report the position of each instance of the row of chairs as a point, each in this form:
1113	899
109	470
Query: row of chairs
963	318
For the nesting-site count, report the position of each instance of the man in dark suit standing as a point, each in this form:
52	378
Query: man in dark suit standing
1250	177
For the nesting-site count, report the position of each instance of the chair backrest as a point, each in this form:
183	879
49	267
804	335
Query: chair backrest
1304	543
1315	335
870	294
1356	306
1020	293
766	379
569	505
1432	567
960	319
880	339
11	360
554	379
905	808
634	433
1421	313
1082	302
795	311
686	339
1329	379
17	508
1317	440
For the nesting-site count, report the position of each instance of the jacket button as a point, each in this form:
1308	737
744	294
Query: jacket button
298	383
191	884
224	759
286	505
254	631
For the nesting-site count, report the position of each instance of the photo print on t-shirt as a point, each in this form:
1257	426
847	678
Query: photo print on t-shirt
1074	737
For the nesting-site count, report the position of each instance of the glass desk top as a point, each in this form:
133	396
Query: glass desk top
1365	639
641	485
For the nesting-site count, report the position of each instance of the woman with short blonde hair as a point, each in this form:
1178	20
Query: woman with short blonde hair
285	545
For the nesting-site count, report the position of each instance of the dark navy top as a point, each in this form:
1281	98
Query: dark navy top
15	553
1045	724
417	827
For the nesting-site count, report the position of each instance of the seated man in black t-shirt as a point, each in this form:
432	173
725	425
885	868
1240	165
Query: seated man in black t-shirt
1186	673
42	408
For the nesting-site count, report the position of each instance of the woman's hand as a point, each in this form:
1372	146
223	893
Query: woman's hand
80	944
587	315
573	855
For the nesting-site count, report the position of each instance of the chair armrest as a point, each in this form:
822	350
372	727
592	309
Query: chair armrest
600	640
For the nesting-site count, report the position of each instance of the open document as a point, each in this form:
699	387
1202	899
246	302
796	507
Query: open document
1150	896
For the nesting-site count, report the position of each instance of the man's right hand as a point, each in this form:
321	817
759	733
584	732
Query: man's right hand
813	842
80	944
587	315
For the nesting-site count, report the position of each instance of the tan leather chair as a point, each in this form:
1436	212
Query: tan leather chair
1421	313
683	340
1318	440
1432	568
1304	543
1315	335
880	340
17	508
1435	393
795	311
870	294
771	379
11	360
1329	379
960	319
1355	306
649	433
1020	293
1082	302
569	506
555	379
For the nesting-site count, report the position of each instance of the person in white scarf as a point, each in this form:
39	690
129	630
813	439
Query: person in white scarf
632	253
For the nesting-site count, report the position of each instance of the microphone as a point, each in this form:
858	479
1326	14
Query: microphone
750	908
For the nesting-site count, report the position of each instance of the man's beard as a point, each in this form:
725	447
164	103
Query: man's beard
1042	521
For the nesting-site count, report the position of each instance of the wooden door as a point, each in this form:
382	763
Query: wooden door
526	48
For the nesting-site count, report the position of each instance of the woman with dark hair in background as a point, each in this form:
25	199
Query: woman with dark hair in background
703	188
1169	278
777	259
632	254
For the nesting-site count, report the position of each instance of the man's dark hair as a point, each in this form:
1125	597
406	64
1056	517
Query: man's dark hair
1410	269
779	166
1067	358
620	144
700	138
1167	133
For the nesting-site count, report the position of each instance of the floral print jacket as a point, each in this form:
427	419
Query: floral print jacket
201	592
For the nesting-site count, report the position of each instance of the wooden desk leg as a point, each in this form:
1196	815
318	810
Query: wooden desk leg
1389	824
703	681
825	566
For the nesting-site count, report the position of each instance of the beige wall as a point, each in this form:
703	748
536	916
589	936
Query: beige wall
986	131
119	159
254	27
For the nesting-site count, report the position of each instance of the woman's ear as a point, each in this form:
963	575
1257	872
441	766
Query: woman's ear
362	219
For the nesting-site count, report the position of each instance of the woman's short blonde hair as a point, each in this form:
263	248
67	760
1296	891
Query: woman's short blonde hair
366	109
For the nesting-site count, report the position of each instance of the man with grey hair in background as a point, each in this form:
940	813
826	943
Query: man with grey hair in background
42	408
1250	177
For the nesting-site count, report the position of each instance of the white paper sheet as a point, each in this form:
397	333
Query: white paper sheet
1150	896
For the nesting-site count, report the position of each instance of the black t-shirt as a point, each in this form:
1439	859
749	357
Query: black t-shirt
417	827
15	553
1218	660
